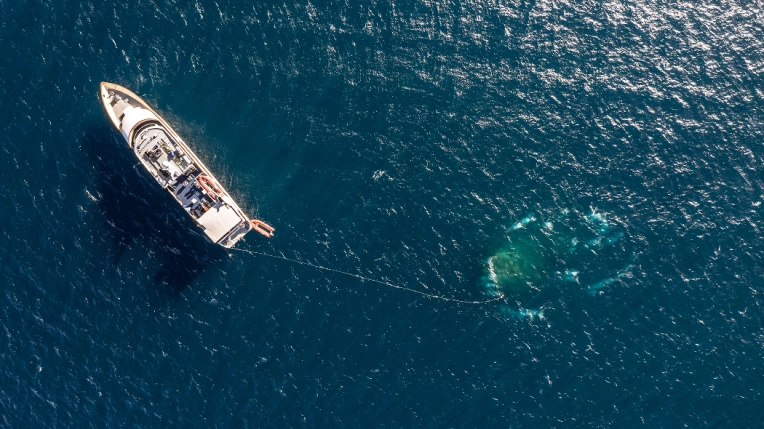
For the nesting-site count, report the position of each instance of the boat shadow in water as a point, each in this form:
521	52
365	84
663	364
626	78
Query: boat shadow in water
138	212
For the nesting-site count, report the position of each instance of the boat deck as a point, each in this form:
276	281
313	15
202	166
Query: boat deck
120	102
161	155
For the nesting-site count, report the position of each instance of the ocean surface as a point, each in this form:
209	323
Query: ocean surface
593	169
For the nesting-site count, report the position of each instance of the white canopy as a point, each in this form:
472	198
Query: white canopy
132	117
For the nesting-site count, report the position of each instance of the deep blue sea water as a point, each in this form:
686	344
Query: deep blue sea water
597	164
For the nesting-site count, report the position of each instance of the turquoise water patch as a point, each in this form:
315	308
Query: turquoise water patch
544	259
514	269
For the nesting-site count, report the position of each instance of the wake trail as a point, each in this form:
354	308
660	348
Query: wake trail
394	286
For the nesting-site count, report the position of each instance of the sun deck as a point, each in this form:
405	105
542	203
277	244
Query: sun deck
161	155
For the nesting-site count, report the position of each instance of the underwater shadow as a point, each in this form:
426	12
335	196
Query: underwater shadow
137	212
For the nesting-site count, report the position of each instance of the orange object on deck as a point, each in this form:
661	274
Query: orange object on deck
262	227
210	186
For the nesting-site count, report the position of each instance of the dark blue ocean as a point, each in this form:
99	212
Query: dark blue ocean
596	166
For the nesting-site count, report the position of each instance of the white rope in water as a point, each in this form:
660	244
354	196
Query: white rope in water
319	267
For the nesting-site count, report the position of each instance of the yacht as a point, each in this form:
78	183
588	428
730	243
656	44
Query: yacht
177	169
